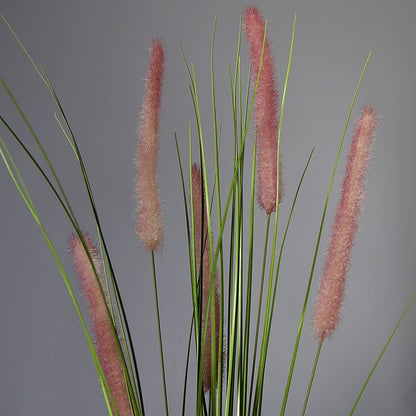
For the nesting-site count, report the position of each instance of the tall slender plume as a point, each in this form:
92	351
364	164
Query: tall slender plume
266	110
149	210
105	338
331	293
202	246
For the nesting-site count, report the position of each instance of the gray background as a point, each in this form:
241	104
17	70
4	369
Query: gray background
95	53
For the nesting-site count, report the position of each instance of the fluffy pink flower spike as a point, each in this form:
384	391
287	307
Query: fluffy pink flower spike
331	293
105	341
149	210
202	238
266	110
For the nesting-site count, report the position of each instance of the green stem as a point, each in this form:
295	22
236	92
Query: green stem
382	352
160	334
308	392
266	239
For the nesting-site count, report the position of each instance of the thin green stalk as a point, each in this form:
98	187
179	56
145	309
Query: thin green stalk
235	316
62	200
185	382
236	302
249	286
218	189
253	366
22	189
236	294
234	178
251	248
38	143
194	95
190	256
280	259
232	346
269	307
233	233
263	351
382	352
308	392
240	386
44	77
137	387
318	241
160	334
229	364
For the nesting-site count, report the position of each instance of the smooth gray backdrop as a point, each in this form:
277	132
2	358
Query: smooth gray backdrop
95	52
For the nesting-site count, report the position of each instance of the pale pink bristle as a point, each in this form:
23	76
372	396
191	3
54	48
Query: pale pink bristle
266	110
201	237
105	339
331	293
149	210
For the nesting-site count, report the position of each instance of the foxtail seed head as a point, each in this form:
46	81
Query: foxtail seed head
104	335
149	210
266	110
202	246
331	293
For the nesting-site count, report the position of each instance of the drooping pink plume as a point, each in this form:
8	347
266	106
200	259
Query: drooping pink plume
266	110
149	210
331	293
201	237
105	341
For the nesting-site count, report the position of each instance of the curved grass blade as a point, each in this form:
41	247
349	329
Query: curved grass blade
382	353
42	74
319	238
22	189
269	309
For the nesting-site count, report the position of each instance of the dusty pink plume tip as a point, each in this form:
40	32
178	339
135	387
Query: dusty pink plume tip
149	210
331	292
202	243
266	110
105	341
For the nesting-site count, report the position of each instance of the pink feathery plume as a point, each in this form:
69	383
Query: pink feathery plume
202	243
105	339
266	110
149	211
331	293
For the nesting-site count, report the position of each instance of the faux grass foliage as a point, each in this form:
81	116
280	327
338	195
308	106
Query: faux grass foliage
93	288
226	358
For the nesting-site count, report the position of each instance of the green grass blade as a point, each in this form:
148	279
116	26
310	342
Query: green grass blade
219	210
382	353
159	330
315	364
321	228
188	351
42	74
279	262
269	308
22	189
249	287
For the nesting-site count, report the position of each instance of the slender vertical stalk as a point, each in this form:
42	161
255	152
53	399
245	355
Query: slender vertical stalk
382	352
308	392
217	177
249	286
162	362
266	239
